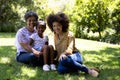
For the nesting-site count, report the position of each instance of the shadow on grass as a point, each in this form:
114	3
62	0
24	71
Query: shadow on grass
8	64
10	69
107	55
105	60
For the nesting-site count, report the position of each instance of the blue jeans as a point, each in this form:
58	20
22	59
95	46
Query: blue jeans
73	63
29	58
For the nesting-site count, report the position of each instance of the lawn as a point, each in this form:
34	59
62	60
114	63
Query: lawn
96	54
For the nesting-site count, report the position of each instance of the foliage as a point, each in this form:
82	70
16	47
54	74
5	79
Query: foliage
86	16
116	18
9	16
115	25
12	11
113	38
94	17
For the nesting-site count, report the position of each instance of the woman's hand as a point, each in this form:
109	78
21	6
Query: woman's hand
37	53
62	56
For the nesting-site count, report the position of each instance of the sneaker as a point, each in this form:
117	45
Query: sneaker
46	67
52	66
93	72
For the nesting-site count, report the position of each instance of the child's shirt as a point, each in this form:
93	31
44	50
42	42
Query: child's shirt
38	41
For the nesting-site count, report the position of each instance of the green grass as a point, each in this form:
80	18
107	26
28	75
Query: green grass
95	54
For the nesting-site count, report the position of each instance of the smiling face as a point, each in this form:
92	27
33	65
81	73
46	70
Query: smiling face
40	29
31	22
57	27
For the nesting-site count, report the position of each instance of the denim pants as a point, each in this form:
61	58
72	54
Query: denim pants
73	63
29	58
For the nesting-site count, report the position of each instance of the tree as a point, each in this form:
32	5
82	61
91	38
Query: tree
94	17
9	16
116	18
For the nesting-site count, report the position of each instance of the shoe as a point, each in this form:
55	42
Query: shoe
93	72
52	66
46	67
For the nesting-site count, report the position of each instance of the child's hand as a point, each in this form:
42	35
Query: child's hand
36	52
41	53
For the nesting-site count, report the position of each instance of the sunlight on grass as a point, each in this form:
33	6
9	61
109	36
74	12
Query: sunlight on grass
6	41
28	71
74	77
67	77
4	60
115	78
98	58
90	45
94	58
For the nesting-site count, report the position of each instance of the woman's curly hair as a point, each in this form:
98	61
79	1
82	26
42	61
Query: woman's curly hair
60	18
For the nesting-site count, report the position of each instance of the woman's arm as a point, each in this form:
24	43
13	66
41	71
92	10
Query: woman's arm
71	44
27	47
30	49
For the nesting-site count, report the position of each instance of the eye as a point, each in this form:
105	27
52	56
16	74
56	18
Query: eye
53	25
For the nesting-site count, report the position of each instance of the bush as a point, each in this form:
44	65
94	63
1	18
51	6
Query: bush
7	27
115	39
11	27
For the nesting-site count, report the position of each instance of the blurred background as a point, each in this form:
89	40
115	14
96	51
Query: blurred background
97	20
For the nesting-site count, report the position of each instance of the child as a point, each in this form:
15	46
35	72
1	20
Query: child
40	43
69	57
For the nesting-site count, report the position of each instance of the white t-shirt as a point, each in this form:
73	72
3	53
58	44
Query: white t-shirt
22	36
38	41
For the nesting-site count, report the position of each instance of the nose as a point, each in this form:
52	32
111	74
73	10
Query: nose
40	29
55	27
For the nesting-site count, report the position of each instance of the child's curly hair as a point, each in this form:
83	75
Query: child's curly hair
60	18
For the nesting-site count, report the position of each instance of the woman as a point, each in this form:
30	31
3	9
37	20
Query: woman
25	53
70	59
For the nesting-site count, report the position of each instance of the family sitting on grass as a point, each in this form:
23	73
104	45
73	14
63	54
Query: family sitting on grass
33	46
